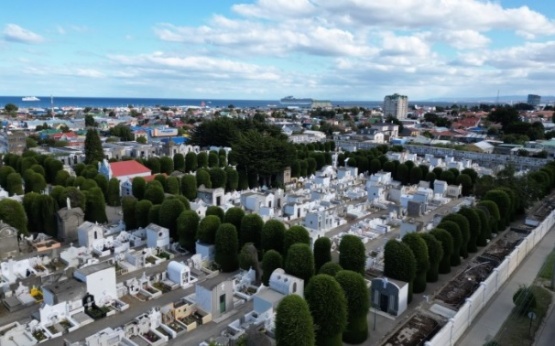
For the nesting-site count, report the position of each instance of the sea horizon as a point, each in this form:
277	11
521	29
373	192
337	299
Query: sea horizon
137	102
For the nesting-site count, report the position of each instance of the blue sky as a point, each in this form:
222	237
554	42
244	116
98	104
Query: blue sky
267	49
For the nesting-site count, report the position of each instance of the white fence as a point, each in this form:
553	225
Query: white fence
456	326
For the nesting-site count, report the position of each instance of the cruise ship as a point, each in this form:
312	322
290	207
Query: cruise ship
291	101
30	98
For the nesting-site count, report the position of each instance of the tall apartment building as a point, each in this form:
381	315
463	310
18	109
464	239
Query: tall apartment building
534	100
396	105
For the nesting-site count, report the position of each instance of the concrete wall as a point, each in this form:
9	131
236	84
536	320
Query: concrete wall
456	326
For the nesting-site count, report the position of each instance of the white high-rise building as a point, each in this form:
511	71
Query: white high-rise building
396	105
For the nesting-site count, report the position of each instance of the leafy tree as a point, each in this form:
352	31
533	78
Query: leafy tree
294	324
299	262
420	251
446	240
248	257
154	193
464	227
217	211
202	159
31	206
179	162
34	181
475	227
503	201
203	178
399	263
454	230
187	227
295	234
113	193
447	176
330	268
191	163
154	164
61	178
524	300
93	147
161	178
170	210
322	252
251	230
262	154
76	197
328	307
402	174
232	180
493	213
96	207
4	172
505	115
485	231
273	233
415	175
172	186
47	207
270	262
207	229
218	177
14	185
352	254
11	109
213	159
141	212
138	187
189	186
166	165
358	303
435	255
128	207
154	214
102	182
234	216
466	182
227	247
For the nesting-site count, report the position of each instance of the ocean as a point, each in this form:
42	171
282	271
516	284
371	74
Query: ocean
111	102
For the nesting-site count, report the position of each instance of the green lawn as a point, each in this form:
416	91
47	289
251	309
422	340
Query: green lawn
547	268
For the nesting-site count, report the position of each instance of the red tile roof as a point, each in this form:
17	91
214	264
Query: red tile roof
123	168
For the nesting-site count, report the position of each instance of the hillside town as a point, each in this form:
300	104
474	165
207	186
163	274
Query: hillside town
166	225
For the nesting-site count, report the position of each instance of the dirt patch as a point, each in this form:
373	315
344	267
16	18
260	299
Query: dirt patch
417	330
466	283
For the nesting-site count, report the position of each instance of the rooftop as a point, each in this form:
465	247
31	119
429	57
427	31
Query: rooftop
123	168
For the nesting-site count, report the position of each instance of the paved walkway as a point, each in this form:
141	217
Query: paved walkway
491	319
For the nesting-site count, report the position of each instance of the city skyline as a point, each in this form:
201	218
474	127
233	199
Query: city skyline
348	49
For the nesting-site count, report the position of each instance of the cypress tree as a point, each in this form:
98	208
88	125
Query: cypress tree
446	241
113	193
93	147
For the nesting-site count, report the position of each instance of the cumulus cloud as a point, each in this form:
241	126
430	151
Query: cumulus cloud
276	8
268	38
160	62
15	33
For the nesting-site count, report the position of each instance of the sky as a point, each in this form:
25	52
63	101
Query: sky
269	49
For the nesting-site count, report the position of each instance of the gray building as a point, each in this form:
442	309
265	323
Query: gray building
534	100
215	297
396	105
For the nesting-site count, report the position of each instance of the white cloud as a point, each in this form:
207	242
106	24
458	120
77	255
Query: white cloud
214	68
262	38
463	39
276	8
449	14
15	33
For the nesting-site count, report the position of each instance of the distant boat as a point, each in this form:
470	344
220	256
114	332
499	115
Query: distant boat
30	98
291	101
